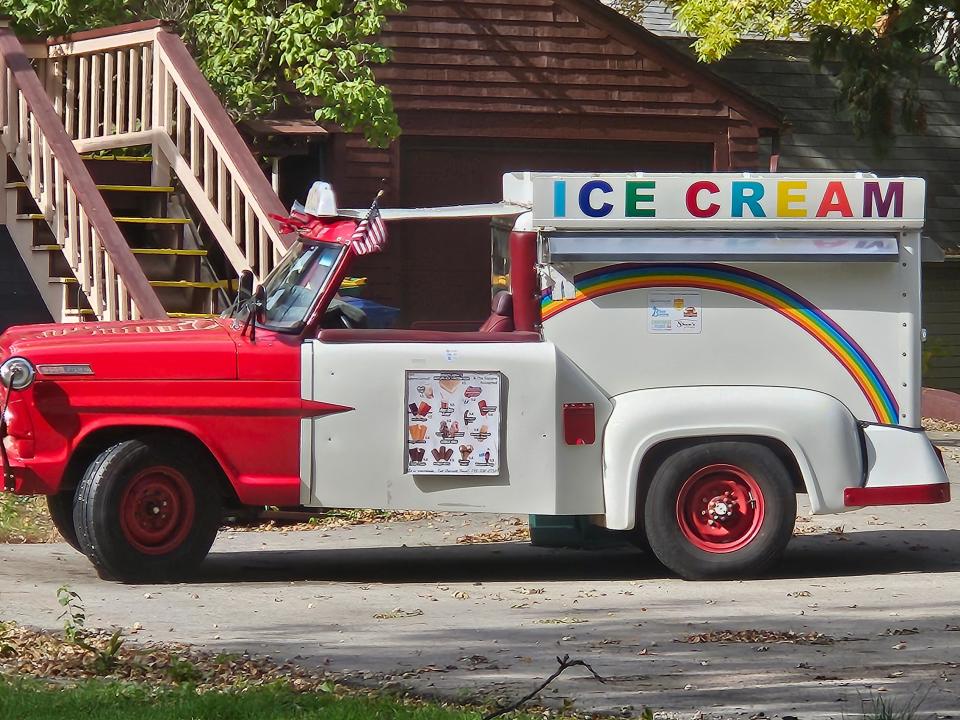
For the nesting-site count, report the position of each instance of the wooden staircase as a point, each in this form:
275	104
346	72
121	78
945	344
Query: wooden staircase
128	191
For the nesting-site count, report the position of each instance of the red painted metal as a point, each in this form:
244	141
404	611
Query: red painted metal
312	408
897	495
157	510
579	424
523	281
720	508
424	336
340	232
198	377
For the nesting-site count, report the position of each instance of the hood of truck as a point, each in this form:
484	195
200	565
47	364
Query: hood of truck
187	349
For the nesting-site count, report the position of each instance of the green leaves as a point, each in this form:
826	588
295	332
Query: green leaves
325	50
879	47
257	53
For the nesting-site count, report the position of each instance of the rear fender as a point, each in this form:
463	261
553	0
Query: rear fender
817	429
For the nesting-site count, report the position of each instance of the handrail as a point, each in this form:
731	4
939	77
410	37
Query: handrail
59	182
140	85
240	192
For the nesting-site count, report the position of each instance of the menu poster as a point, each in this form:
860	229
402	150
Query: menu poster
453	423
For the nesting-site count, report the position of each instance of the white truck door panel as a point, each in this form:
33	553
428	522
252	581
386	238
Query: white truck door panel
357	456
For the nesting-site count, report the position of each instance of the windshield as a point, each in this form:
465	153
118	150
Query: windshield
295	283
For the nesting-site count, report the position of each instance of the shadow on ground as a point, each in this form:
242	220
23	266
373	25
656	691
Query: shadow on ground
850	554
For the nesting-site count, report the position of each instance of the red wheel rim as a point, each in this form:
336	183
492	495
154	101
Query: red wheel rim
157	510
720	508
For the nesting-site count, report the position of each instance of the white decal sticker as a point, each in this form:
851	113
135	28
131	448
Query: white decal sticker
678	313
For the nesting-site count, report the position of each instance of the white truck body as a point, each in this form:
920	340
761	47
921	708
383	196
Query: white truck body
677	308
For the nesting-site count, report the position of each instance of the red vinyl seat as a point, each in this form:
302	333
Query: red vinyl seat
501	315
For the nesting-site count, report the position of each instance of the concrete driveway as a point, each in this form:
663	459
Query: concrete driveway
876	606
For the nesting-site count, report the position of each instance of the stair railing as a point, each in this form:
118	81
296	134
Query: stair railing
138	84
34	137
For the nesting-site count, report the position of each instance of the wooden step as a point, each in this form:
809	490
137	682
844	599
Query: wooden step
121	158
137	251
109	188
157	283
122	220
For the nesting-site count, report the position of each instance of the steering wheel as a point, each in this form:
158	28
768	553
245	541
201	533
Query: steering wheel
344	316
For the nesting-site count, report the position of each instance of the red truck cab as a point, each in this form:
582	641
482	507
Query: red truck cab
163	424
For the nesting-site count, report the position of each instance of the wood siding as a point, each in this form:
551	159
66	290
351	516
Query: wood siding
482	87
546	58
550	69
941	298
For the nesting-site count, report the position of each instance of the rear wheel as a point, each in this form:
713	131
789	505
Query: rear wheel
60	507
720	509
145	513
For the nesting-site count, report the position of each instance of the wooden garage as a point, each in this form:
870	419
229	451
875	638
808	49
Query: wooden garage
484	87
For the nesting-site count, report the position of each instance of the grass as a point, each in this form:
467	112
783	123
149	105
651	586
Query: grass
879	708
39	700
24	520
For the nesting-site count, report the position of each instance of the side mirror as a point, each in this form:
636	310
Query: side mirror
245	289
255	315
259	303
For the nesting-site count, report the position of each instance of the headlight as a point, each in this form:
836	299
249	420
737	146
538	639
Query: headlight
17	373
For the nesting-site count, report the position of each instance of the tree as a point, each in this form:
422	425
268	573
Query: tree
881	47
256	52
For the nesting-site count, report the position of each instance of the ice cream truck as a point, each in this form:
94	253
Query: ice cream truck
673	356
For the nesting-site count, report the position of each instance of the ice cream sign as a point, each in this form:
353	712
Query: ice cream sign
634	200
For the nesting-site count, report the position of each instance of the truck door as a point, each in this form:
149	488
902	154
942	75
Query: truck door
465	425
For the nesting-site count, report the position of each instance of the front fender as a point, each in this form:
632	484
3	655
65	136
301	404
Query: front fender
816	428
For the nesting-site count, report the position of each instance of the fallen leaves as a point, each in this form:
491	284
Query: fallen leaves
507	531
560	621
900	631
774	637
335	519
398	613
36	653
938	425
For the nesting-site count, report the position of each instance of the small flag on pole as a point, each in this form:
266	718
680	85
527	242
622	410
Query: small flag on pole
371	234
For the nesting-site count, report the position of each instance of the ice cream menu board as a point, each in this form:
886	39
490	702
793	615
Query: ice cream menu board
453	423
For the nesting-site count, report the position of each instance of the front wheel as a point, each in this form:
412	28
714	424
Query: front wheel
146	513
720	509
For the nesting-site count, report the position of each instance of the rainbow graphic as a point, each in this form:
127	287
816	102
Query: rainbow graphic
749	285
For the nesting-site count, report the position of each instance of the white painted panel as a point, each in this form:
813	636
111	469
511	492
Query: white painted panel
359	455
744	342
897	456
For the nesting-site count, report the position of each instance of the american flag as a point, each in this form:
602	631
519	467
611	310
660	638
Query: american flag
371	234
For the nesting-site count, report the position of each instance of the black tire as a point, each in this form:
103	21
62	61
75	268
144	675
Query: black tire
672	517
118	499
60	507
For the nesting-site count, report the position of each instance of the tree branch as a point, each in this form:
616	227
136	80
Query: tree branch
565	662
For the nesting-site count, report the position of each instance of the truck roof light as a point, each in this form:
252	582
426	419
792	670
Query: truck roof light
321	202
